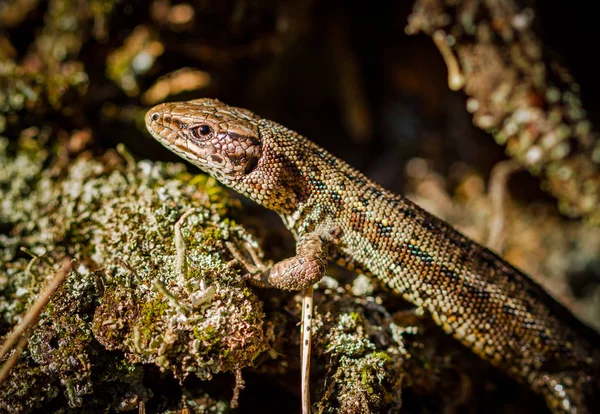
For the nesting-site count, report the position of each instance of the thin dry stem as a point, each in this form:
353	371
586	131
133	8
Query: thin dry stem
497	194
180	244
30	319
305	341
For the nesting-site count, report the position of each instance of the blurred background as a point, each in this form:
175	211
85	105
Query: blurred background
346	75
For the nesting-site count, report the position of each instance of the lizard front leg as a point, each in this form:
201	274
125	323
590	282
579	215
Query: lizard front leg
303	270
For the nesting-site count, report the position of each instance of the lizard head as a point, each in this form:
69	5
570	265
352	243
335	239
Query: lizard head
254	156
221	140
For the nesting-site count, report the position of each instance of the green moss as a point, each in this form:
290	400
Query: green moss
118	226
153	310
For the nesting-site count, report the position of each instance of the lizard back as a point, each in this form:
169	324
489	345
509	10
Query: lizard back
487	304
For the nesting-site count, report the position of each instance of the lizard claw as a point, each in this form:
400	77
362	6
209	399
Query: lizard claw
253	265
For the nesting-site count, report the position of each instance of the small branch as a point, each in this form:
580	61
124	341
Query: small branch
160	287
456	79
30	320
240	384
497	194
180	247
305	342
12	361
126	155
518	93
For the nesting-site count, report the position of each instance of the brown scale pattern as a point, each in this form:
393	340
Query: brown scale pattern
335	212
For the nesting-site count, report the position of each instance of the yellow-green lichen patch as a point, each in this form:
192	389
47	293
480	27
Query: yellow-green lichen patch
365	364
359	385
348	337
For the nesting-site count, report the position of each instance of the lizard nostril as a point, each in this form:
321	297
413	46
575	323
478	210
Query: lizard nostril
155	116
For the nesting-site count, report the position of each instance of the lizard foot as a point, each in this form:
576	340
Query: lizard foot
249	258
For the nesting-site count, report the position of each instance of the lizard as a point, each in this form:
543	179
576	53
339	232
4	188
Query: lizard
336	213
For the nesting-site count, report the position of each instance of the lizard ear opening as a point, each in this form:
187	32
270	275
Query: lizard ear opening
251	165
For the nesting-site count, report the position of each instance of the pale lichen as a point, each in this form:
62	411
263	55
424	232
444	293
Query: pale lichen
125	292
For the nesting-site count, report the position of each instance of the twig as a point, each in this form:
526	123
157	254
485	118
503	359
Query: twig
305	340
11	362
160	287
497	194
240	384
456	79
126	155
180	244
30	319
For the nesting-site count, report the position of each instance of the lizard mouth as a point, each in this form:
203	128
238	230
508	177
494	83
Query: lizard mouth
166	136
158	125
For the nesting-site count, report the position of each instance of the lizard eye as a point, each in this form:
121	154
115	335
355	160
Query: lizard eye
202	131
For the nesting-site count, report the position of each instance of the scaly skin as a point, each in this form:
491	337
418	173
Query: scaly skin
336	213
